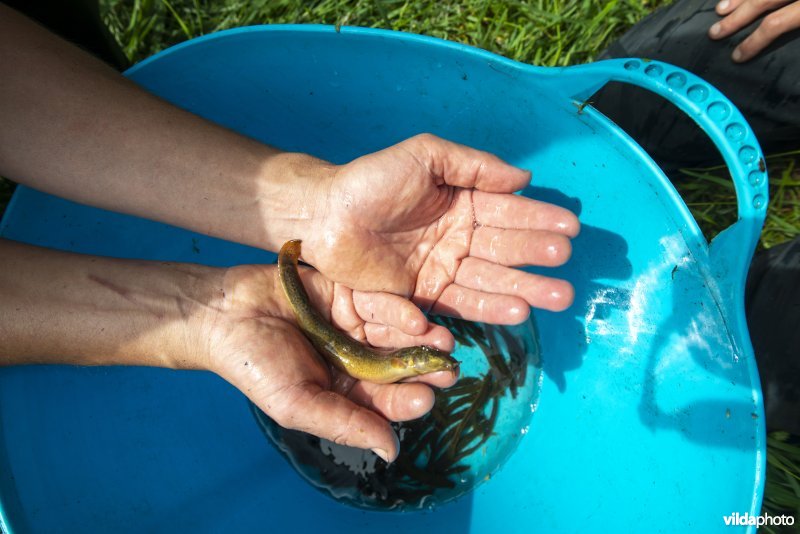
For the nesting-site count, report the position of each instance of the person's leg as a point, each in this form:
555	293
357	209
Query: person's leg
766	89
773	316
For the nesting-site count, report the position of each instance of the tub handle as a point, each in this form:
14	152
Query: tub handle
731	250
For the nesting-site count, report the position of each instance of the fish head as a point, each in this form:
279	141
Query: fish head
426	359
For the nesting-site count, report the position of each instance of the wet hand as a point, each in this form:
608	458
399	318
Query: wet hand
252	342
437	222
783	17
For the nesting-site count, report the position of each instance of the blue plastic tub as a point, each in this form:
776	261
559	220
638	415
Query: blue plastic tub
650	414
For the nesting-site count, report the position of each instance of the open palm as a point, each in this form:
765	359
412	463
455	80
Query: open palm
437	222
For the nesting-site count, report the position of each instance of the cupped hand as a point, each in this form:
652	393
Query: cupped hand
784	16
254	344
437	222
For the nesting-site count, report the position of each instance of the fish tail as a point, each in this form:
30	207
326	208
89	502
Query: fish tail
290	250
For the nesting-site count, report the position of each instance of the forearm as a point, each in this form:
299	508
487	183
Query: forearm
75	128
58	307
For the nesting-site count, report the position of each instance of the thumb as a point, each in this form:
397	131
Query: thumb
462	166
333	417
278	369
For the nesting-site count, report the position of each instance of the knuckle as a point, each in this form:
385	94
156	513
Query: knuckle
424	138
343	435
772	23
282	404
358	333
389	404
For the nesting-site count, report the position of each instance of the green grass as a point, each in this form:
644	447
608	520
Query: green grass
552	32
548	33
710	196
782	492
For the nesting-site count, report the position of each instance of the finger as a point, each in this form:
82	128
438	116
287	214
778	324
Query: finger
328	415
538	291
343	312
379	335
520	247
773	26
439	379
467	167
395	402
293	390
726	6
743	15
521	213
472	305
391	310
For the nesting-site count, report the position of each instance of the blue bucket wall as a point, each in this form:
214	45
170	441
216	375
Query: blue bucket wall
650	412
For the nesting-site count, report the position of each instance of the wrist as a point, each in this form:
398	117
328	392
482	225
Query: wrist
73	309
193	298
293	194
160	319
249	304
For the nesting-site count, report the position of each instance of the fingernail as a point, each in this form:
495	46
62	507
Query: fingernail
382	453
722	6
737	55
715	29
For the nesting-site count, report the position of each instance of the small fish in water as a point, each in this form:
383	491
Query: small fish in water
348	355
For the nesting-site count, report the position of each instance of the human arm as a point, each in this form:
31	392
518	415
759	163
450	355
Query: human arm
74	127
64	308
783	17
425	219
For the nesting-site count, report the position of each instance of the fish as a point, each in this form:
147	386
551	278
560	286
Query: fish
343	352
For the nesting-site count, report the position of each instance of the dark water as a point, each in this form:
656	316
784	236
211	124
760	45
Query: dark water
472	430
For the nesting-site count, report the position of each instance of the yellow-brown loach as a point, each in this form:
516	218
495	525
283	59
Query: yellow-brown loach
348	355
